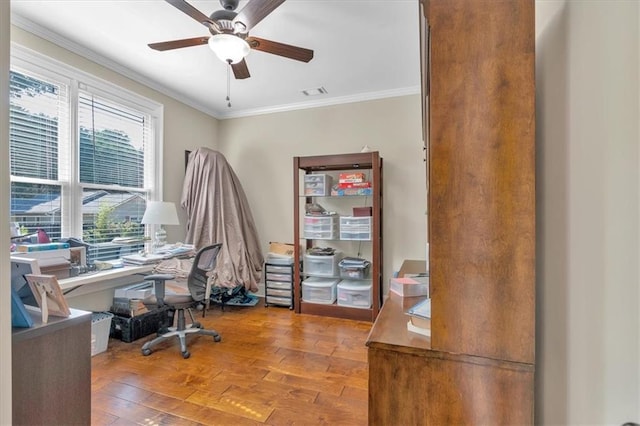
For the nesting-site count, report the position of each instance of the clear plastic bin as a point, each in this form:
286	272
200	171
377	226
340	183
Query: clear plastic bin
318	185
322	266
355	294
319	290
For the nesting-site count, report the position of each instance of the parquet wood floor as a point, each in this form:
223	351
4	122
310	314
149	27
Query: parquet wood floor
272	367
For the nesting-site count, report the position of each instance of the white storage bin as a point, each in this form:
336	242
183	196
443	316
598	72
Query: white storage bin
282	285
321	227
278	269
361	221
278	293
321	235
278	277
283	301
355	228
319	290
100	328
317	185
322	266
355	294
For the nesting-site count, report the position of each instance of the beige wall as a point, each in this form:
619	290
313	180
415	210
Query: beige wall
261	149
588	342
185	128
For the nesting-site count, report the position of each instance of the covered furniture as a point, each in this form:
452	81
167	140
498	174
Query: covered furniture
199	286
218	212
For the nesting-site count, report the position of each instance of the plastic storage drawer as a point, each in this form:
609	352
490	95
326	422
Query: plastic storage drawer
319	290
317	185
280	285
277	269
280	301
355	294
321	227
322	266
278	277
278	293
355	228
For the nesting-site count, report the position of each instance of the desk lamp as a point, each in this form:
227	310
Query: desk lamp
160	213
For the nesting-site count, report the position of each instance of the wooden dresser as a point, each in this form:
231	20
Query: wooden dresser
479	99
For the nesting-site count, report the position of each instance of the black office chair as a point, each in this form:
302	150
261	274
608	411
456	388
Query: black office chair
197	283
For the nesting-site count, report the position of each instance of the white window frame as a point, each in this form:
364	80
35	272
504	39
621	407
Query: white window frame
29	61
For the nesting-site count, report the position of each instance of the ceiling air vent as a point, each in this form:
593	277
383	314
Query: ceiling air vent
315	92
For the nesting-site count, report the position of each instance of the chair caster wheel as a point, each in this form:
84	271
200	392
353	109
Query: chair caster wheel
217	338
186	354
146	352
196	325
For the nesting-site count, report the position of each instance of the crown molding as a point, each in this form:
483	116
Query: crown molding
55	38
362	97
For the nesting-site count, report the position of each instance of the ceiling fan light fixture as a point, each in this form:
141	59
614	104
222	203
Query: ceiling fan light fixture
229	48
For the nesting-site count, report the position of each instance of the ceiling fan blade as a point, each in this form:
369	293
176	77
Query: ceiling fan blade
185	7
240	70
281	49
254	12
177	44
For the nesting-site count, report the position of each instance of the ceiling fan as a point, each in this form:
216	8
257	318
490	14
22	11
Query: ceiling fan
230	38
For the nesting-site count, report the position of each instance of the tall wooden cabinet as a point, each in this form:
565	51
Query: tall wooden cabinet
478	366
371	164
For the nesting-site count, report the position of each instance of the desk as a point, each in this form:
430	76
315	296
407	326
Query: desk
99	286
73	283
51	370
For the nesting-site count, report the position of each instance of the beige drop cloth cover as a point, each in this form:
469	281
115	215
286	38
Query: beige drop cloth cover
218	212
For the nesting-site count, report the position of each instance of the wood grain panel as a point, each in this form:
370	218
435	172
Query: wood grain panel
51	367
482	177
423	389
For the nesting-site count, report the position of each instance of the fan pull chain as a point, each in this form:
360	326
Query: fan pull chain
229	85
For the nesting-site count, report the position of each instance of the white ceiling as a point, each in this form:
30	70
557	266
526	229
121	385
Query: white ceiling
362	49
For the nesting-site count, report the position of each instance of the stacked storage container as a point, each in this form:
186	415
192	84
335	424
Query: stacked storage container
321	227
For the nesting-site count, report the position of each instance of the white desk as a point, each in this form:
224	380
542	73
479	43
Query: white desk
69	284
96	285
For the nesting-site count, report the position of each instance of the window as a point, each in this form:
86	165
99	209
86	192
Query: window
83	155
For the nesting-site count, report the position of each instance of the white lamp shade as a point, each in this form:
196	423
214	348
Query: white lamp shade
229	48
160	213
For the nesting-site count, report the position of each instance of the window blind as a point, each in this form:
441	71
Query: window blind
82	156
38	117
113	139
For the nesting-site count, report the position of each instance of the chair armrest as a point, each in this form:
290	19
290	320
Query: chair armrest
159	277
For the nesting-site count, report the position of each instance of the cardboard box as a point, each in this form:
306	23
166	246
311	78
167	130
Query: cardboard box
282	249
412	268
362	211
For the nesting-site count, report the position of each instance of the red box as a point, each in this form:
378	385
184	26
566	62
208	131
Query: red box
362	211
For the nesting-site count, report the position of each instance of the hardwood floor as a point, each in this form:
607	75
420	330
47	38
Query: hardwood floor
272	367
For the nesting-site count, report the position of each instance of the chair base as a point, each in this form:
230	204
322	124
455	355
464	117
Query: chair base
181	330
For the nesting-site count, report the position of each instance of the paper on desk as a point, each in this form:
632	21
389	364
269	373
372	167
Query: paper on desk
139	259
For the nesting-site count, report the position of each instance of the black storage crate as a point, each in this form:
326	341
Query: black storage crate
129	329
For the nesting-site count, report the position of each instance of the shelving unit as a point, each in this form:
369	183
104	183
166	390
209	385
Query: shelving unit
371	164
278	285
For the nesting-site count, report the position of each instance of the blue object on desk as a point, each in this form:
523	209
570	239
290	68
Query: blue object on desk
19	315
